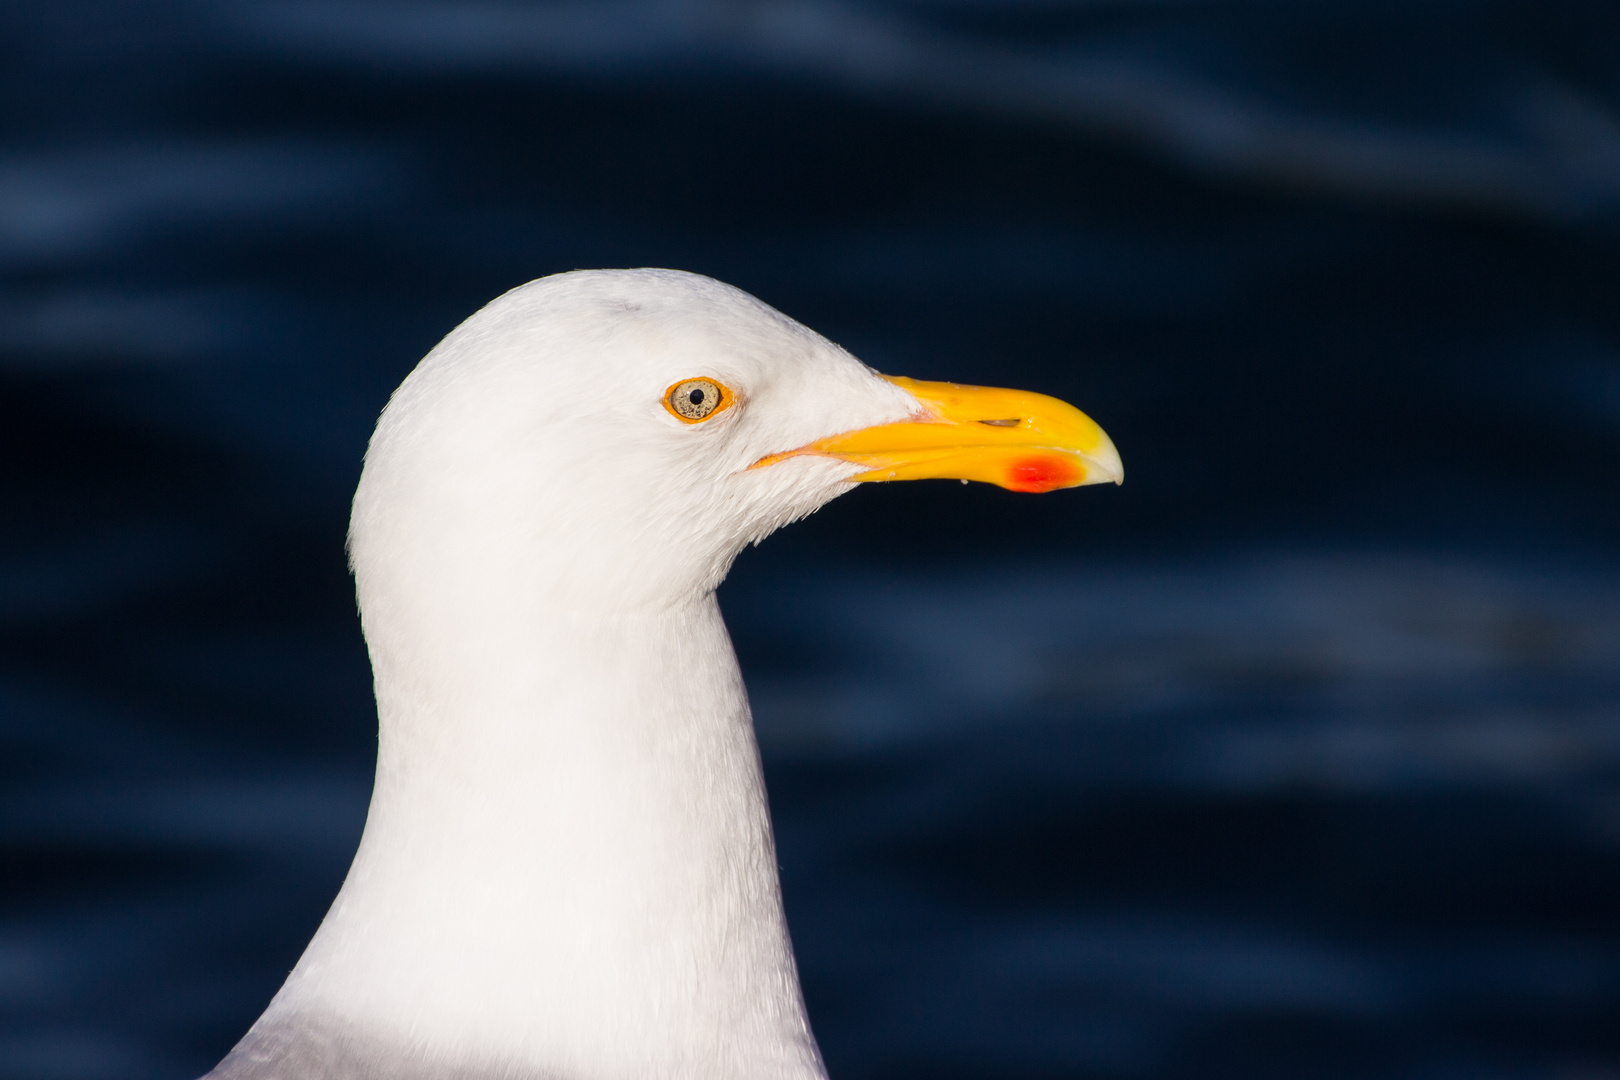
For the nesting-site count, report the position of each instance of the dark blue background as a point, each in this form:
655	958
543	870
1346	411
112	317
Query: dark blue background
1297	756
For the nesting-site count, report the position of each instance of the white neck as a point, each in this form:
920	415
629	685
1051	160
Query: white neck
567	869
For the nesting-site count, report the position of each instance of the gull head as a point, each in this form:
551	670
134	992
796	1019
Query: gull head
613	438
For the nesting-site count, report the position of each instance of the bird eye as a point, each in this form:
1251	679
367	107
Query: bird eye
693	400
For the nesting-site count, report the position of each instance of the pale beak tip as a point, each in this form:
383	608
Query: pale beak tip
1105	463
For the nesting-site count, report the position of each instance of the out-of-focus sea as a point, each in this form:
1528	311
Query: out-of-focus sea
1297	756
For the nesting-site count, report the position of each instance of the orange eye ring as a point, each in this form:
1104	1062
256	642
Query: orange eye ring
694	400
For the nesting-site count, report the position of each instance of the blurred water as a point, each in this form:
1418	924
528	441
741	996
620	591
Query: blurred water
1296	756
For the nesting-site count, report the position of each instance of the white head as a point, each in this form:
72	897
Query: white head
539	431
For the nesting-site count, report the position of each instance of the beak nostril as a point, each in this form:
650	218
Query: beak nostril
1011	422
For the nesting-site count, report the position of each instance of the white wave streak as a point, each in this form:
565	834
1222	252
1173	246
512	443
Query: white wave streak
1547	151
69	202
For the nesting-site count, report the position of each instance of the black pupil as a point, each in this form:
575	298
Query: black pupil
695	397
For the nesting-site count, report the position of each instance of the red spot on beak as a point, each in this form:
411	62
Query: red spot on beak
1042	473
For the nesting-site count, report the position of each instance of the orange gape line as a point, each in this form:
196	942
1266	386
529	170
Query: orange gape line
772	459
1042	472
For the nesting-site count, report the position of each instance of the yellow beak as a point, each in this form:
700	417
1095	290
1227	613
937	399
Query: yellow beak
1017	440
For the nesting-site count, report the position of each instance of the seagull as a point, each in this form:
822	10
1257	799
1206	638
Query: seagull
567	870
